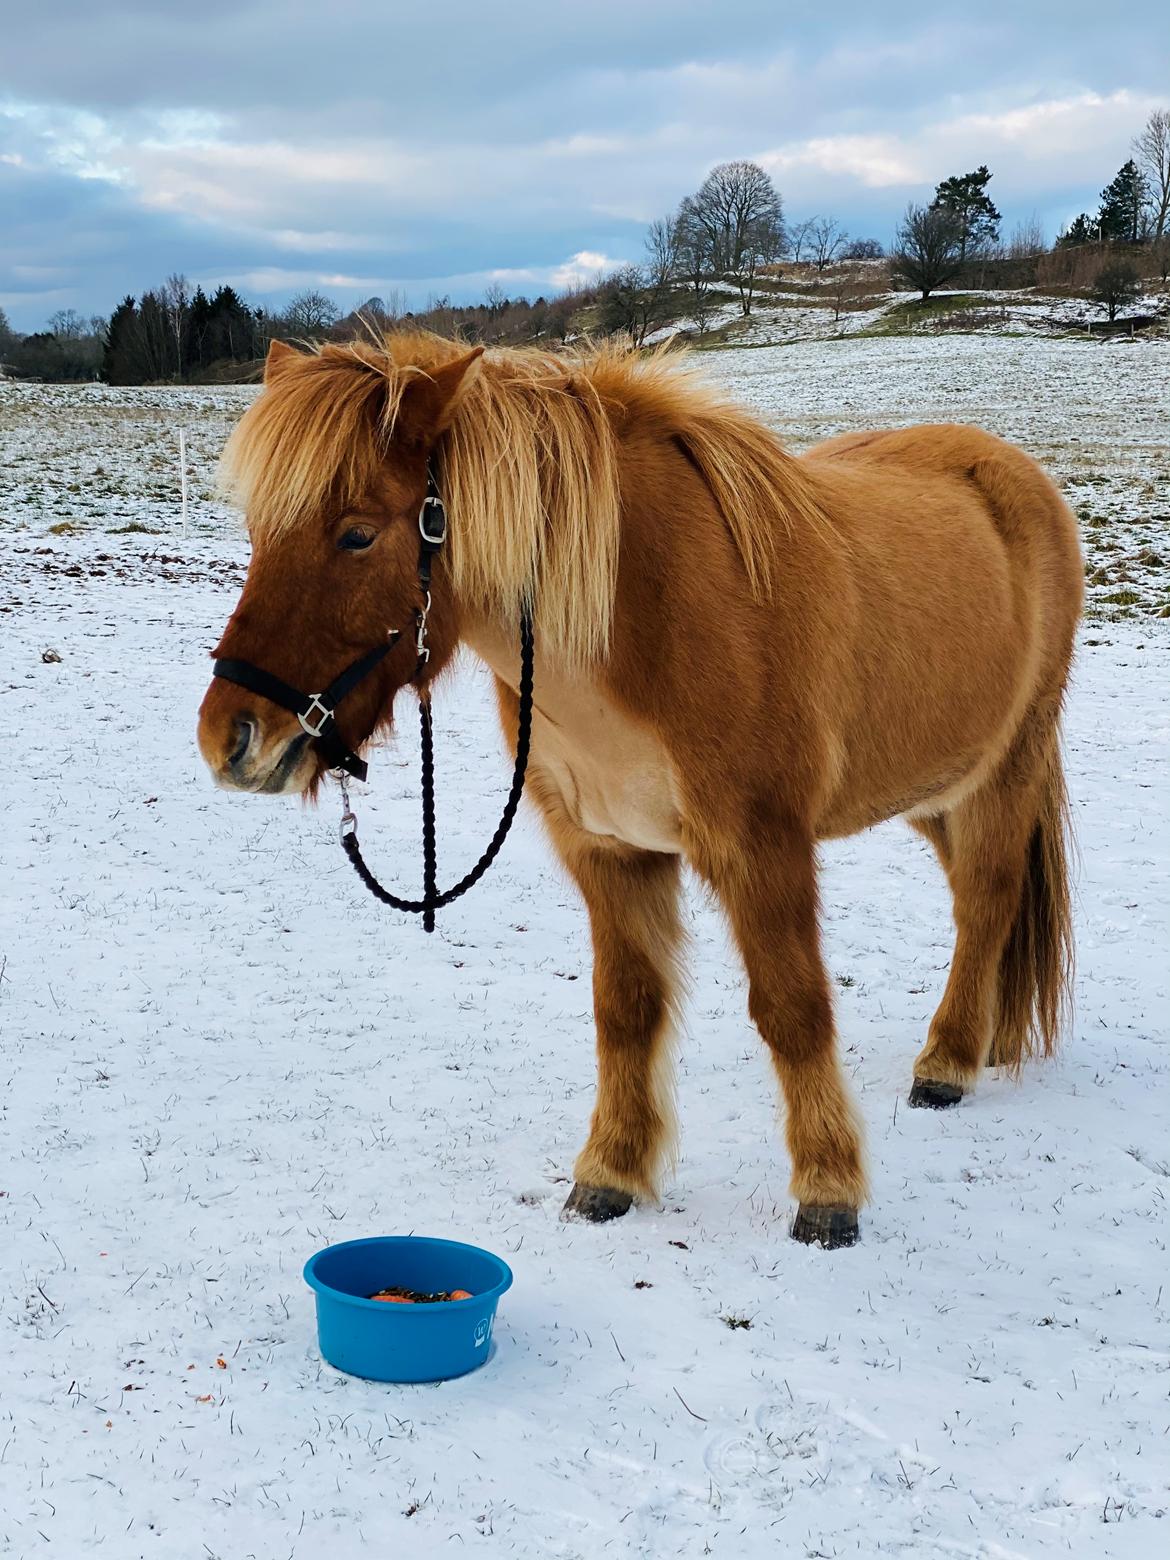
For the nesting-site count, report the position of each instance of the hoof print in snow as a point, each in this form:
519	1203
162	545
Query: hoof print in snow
827	1227
595	1204
930	1095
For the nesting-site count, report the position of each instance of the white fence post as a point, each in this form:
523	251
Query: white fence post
183	475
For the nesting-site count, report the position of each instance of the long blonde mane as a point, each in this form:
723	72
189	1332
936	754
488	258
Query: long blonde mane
530	467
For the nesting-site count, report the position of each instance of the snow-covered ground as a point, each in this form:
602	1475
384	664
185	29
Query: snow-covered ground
219	1055
1096	414
802	307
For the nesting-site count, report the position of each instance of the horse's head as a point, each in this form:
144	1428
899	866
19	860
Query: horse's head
331	464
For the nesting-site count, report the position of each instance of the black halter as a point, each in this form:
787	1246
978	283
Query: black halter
317	715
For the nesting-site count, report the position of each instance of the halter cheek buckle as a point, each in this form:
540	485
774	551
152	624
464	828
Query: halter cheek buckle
432	521
325	715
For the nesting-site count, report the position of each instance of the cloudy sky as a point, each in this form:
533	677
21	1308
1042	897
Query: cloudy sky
367	145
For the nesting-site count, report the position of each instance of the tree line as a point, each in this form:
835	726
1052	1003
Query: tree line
175	332
733	227
725	240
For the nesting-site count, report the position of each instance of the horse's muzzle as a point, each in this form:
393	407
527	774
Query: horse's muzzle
243	756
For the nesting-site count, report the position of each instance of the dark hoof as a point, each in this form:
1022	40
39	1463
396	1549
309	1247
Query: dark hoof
934	1096
595	1204
827	1227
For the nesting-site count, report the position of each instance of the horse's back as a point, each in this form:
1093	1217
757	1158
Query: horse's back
948	492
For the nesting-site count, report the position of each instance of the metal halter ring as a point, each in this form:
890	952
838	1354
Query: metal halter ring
326	715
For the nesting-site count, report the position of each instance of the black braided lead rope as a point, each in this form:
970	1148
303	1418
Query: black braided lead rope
430	854
433	900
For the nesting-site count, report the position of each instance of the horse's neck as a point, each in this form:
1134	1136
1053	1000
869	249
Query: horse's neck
496	645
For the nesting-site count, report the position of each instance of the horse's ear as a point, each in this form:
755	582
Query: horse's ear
430	400
279	356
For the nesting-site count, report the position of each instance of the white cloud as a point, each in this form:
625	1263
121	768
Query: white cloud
324	240
534	150
1028	147
1059	127
583	267
876	161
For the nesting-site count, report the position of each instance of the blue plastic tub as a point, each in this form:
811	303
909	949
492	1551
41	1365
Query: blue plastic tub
405	1342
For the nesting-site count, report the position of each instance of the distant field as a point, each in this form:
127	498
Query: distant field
95	460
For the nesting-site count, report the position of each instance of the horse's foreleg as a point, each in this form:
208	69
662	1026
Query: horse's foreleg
769	891
632	897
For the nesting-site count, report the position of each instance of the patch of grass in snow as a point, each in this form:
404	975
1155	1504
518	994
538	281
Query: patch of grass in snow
900	318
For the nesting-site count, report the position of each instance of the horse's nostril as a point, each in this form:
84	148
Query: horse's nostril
244	730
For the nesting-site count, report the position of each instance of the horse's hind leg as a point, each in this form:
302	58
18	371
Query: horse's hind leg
632	896
993	845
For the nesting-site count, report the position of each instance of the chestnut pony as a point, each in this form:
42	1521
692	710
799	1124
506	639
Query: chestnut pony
738	653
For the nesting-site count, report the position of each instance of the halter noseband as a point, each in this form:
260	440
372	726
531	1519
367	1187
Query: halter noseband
317	712
317	715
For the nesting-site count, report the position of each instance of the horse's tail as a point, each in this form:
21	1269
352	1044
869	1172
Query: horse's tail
1036	966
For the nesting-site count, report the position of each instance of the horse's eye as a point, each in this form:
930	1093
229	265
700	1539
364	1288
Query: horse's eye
356	539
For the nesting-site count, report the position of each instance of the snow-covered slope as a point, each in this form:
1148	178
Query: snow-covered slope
219	1054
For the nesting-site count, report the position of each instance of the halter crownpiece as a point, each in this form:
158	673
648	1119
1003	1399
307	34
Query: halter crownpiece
317	715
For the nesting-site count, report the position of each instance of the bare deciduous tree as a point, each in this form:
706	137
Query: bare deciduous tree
175	296
310	311
1115	285
826	240
620	309
928	248
740	210
67	324
637	298
864	249
661	269
1152	151
798	236
849	289
695	263
562	313
1027	239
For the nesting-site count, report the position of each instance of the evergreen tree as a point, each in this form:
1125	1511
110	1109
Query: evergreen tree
1083	230
232	330
156	349
120	365
965	197
1123	202
197	354
8	339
